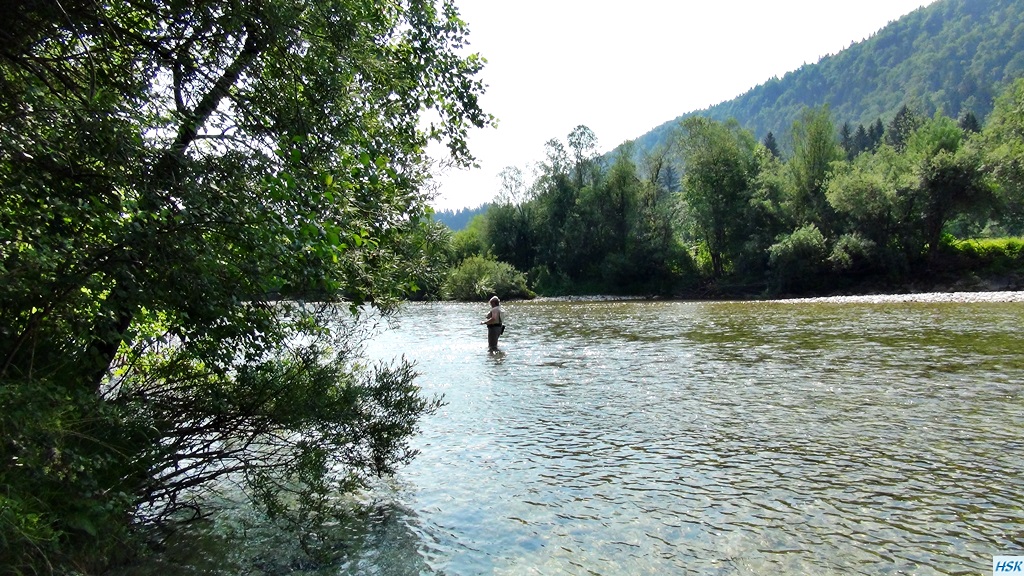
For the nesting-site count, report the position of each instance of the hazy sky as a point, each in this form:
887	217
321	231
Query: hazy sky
622	68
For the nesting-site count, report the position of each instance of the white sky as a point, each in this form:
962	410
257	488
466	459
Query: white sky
622	68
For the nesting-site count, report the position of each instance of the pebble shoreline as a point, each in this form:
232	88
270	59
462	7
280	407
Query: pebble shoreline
924	297
957	297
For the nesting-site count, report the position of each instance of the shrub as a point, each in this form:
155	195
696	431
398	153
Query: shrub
798	260
991	254
478	278
63	476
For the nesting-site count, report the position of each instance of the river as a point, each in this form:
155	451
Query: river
614	437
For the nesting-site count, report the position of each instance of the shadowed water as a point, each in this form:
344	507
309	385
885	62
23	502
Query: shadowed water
632	438
715	438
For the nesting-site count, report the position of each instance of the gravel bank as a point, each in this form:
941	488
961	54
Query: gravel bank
964	297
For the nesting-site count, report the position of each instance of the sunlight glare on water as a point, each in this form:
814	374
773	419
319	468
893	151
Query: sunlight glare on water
712	438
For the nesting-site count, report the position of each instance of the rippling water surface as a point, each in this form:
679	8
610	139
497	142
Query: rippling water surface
710	438
754	438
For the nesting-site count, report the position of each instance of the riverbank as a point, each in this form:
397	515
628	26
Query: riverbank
959	297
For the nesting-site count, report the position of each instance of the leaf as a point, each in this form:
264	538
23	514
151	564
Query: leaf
83	523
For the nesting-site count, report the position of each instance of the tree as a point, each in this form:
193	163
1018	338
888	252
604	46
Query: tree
583	144
654	261
766	215
609	210
513	186
656	164
561	230
861	140
875	133
178	180
846	141
771	145
555	196
508	228
969	123
1003	142
428	252
508	234
814	151
901	127
950	178
718	161
872	197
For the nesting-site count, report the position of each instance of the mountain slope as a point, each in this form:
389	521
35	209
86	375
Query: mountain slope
952	56
458	219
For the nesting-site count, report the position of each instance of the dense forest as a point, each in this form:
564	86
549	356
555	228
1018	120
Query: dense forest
952	56
922	200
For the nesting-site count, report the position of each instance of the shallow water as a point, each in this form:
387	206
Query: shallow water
699	438
716	438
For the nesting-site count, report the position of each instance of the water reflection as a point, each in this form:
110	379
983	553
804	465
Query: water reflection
377	536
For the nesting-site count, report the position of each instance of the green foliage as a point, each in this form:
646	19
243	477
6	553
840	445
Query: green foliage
469	241
478	278
62	478
940	134
821	220
427	250
991	255
814	152
1003	138
871	198
178	179
766	216
905	123
582	226
508	234
903	200
360	429
798	260
771	145
852	252
950	178
720	166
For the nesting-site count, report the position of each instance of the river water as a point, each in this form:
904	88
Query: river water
705	438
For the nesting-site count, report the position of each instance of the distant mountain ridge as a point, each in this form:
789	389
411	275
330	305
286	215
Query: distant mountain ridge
953	56
458	219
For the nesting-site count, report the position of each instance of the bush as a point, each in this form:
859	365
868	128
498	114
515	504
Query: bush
548	283
64	477
852	253
478	278
990	254
797	261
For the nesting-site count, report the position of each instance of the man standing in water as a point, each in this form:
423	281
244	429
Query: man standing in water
495	323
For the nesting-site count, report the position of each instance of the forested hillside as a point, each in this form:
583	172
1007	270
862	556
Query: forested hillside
458	219
889	166
952	56
930	202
